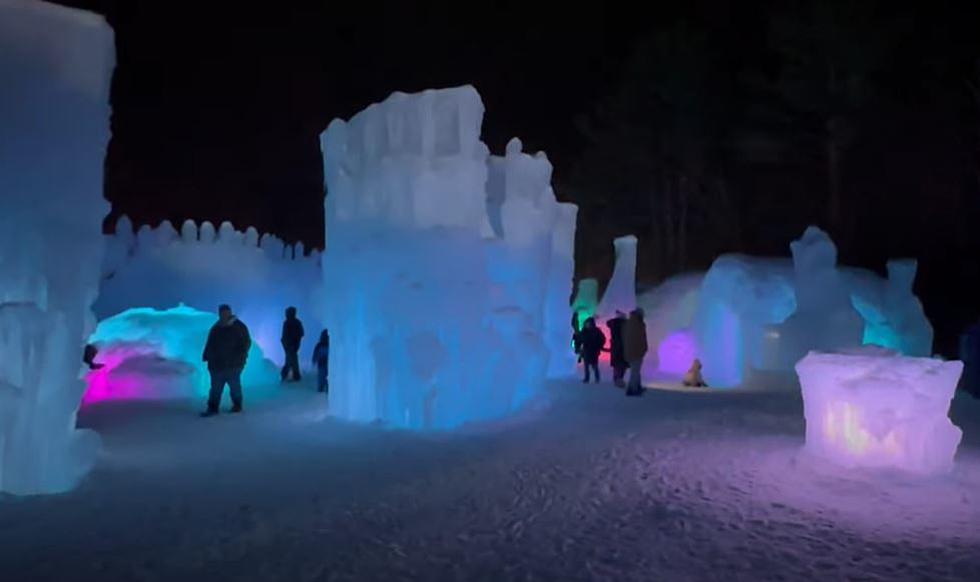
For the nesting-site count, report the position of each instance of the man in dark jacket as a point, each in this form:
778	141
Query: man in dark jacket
292	336
226	352
617	355
593	341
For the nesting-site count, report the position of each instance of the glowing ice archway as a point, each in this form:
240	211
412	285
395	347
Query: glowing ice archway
156	354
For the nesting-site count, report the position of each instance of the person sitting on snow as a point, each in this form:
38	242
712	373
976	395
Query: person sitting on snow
593	342
693	376
321	359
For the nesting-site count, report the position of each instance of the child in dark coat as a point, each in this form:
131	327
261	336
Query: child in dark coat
321	359
593	342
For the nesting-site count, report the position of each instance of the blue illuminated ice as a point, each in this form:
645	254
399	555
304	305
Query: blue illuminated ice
202	268
825	317
55	66
620	293
442	265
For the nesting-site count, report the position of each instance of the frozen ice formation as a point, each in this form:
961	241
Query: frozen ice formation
156	354
893	315
764	314
620	293
825	317
740	298
203	268
669	312
443	265
55	64
558	311
874	408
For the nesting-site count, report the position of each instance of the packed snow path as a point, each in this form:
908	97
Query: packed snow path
594	486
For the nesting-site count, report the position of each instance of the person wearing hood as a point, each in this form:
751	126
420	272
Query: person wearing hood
617	355
635	349
292	337
321	359
226	352
593	342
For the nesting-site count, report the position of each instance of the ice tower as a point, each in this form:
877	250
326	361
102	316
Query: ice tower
438	264
55	64
621	292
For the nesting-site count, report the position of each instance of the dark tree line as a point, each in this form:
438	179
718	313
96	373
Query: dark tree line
731	130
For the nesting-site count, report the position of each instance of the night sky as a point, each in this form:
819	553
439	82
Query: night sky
217	113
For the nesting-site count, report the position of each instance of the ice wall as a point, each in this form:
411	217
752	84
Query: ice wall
203	268
558	311
55	64
621	291
438	264
874	408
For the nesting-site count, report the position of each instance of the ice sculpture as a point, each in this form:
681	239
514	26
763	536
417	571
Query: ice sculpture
740	298
825	318
156	354
159	269
437	266
738	313
874	408
893	315
55	64
620	293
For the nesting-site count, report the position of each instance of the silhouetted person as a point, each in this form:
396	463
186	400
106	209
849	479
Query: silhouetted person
593	340
292	337
321	359
226	352
635	345
693	377
89	357
617	355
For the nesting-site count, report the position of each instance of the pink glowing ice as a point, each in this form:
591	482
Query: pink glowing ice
874	408
125	375
676	352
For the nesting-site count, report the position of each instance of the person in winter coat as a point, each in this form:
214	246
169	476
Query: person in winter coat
635	347
226	352
593	342
292	337
617	357
693	376
576	336
321	359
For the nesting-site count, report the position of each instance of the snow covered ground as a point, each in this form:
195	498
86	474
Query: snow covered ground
591	486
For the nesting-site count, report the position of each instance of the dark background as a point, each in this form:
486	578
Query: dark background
702	127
